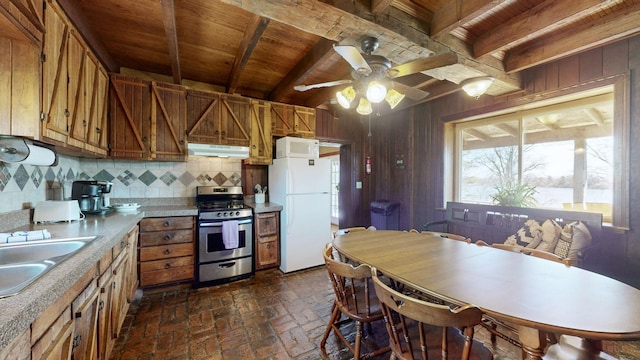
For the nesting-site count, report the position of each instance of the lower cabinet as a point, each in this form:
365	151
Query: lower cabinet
166	250
85	321
267	245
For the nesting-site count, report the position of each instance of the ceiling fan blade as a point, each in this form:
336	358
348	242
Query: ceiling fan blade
410	92
427	63
353	57
320	85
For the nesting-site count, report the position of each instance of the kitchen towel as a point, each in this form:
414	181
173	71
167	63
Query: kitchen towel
18	236
230	234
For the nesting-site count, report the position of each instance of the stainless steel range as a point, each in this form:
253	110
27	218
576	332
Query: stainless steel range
225	236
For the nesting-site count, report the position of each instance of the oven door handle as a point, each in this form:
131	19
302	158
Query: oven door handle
219	224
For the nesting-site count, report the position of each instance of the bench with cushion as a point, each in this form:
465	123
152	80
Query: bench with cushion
568	234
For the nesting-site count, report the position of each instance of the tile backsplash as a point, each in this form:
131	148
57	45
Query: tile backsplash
22	186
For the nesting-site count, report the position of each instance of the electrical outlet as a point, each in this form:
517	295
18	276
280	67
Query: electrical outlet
358	184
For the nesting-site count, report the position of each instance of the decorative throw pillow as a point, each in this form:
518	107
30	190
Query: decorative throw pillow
550	234
564	242
581	239
529	235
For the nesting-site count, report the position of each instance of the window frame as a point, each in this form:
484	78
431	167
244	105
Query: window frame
617	85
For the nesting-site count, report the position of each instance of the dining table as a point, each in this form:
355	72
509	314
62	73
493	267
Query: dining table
535	295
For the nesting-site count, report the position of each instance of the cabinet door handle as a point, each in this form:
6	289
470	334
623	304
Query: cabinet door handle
101	305
268	245
76	341
167	251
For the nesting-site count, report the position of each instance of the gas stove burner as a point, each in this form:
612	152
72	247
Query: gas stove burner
216	203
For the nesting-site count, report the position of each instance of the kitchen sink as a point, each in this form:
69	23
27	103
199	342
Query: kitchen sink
41	250
15	277
23	263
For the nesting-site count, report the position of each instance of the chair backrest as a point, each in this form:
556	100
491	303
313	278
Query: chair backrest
350	285
534	252
446	235
348	230
399	308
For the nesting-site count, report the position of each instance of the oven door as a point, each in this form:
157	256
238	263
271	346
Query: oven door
212	248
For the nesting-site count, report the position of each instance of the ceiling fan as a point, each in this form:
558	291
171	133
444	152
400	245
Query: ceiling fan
370	72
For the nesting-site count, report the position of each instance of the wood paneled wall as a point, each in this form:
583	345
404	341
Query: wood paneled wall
416	136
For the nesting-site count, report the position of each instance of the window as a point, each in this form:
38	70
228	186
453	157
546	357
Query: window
552	155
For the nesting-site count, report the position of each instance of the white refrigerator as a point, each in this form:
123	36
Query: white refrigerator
303	188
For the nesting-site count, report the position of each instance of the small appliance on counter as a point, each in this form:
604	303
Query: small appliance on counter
90	195
56	211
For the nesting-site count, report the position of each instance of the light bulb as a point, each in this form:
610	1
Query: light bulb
346	96
364	107
376	92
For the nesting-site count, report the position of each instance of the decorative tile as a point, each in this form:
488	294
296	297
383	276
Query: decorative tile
70	175
186	178
49	175
147	178
60	176
21	177
83	176
168	178
219	178
5	176
235	179
36	176
127	178
103	175
203	179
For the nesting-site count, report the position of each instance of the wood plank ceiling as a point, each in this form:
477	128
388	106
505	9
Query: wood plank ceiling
262	49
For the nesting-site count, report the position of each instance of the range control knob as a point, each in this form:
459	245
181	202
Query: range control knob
237	213
219	214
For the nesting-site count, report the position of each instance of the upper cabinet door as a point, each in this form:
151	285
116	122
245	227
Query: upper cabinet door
168	118
76	90
130	111
305	121
261	147
293	120
203	117
96	103
54	75
234	120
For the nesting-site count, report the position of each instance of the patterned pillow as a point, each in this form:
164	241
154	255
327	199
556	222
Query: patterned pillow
550	234
564	242
529	235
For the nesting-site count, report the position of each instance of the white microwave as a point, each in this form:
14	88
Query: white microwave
294	147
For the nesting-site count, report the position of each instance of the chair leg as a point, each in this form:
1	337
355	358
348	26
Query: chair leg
468	338
445	343
356	352
335	315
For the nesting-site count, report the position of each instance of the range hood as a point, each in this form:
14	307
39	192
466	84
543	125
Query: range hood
227	151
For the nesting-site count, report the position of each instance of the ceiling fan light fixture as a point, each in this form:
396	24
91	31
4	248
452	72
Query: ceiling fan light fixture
393	98
475	87
346	96
376	92
364	107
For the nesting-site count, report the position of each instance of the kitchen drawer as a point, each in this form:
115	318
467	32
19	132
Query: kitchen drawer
266	224
165	252
167	223
157	277
166	264
267	253
167	237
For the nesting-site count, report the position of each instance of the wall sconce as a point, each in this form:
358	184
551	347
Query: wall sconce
475	87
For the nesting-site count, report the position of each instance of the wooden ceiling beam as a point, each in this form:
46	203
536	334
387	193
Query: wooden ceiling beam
453	14
252	34
321	52
544	18
378	6
169	22
610	27
69	7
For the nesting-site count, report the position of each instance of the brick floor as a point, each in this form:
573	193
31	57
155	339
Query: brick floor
270	316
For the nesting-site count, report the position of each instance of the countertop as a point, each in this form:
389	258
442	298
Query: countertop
262	207
19	311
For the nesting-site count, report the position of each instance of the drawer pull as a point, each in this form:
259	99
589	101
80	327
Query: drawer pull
167	266
227	265
167	251
268	245
168	237
167	223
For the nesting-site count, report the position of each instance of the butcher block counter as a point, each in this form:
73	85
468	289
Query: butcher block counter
18	312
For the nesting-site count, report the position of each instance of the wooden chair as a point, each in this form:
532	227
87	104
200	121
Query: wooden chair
446	235
348	230
407	321
353	299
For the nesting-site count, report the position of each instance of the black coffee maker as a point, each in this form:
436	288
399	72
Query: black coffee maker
90	195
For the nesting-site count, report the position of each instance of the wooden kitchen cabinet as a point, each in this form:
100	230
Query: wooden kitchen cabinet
22	21
267	243
261	144
292	120
73	87
130	114
216	118
166	250
85	322
168	121
19	88
57	341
